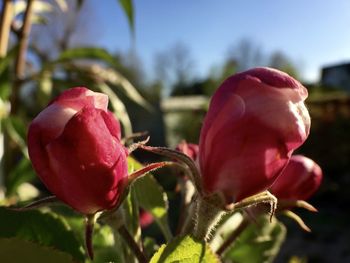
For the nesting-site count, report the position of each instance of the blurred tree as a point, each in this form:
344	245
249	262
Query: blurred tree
281	61
131	66
74	26
174	67
246	53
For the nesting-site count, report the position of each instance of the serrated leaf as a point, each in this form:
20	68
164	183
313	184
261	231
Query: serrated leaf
128	8
43	228
87	53
185	250
260	242
15	250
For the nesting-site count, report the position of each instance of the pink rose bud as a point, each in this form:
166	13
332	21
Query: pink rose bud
300	180
255	120
146	218
74	145
190	149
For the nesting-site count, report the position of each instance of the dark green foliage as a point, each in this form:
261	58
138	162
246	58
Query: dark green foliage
45	229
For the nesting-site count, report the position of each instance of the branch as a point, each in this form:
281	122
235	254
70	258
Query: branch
21	58
5	26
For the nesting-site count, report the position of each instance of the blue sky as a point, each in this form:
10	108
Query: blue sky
312	32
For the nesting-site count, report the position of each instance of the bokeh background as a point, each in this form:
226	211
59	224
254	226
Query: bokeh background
162	60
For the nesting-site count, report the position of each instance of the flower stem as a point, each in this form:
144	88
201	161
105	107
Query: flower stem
188	223
187	193
132	244
89	229
241	227
115	220
194	172
208	216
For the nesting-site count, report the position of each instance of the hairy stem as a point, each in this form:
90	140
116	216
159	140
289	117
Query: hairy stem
190	219
208	216
179	156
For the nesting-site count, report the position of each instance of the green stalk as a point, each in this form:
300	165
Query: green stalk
208	216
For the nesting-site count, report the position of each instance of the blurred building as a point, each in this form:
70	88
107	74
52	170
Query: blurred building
337	76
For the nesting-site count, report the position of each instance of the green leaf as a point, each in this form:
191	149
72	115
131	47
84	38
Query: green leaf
131	214
260	242
118	108
105	249
152	198
22	173
128	89
128	8
43	228
107	75
150	246
17	132
4	111
113	77
14	250
185	250
87	53
6	79
45	87
5	61
39	19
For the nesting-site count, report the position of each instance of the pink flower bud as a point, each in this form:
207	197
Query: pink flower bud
300	180
255	120
75	149
190	149
146	218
